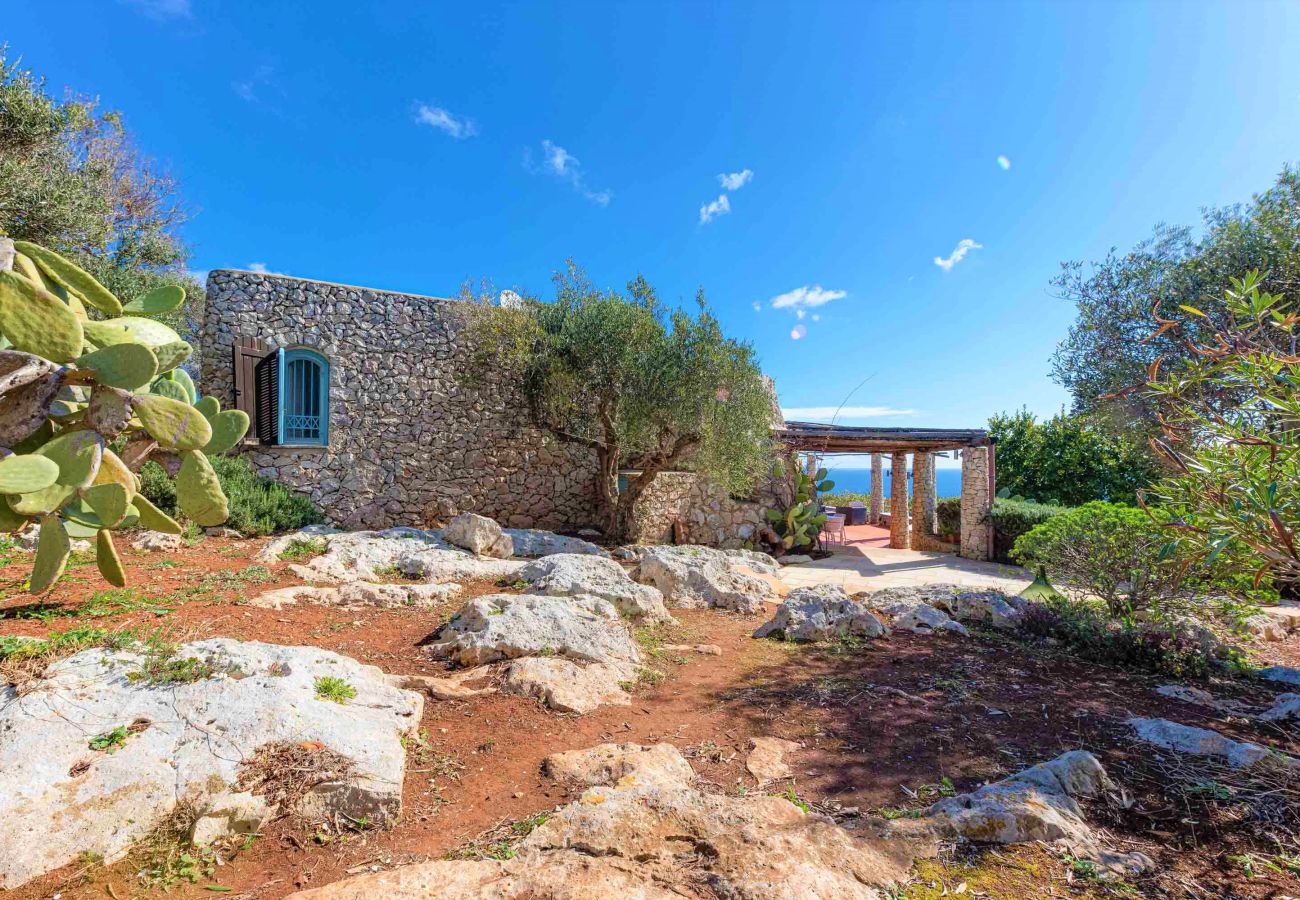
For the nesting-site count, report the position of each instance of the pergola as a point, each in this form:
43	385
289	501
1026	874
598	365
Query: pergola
918	530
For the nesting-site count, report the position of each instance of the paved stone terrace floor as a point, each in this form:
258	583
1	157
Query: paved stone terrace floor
866	563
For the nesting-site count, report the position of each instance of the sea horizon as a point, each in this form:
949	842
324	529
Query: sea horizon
947	482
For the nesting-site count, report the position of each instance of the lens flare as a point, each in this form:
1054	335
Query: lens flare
1004	163
798	331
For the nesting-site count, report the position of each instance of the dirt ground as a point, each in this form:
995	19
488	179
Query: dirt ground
886	727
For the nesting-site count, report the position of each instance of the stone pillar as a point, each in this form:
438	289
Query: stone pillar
899	520
877	488
976	503
923	523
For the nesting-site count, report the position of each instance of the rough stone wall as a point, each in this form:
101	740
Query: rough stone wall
976	527
899	521
410	442
877	488
666	500
712	516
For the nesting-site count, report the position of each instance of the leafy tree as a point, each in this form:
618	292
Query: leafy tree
1110	346
643	387
72	179
1068	459
1235	494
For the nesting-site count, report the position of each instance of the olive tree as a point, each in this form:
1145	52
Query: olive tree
645	387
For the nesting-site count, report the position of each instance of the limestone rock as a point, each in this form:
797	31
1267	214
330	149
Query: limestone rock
754	561
703	649
508	626
366	555
570	574
185	742
958	601
453	686
226	815
1285	708
1282	674
923	619
795	559
1197	696
1204	742
660	764
566	686
152	541
533	542
1275	623
354	594
627	839
698	577
766	760
569	875
1037	804
479	535
270	553
821	613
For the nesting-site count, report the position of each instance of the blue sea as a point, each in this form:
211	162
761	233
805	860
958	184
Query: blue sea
947	482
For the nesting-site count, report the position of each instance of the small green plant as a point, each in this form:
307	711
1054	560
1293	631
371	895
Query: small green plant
889	813
525	827
258	506
109	741
334	689
233	579
300	548
513	584
796	799
120	600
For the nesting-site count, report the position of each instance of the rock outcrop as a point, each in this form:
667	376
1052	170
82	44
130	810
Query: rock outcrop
101	749
569	574
626	836
479	535
367	555
821	613
566	686
356	594
958	601
1204	742
699	577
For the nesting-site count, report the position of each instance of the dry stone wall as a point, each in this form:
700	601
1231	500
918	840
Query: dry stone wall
712	517
409	440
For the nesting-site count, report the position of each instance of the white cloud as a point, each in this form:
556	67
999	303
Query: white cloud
261	269
719	207
162	9
250	90
734	181
800	313
564	165
758	307
806	296
826	413
441	119
964	246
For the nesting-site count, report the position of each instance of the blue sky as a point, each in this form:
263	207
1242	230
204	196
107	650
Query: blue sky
905	176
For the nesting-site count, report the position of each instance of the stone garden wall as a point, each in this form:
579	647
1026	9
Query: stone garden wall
409	440
712	517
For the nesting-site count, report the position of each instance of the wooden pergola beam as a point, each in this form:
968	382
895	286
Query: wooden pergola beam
818	438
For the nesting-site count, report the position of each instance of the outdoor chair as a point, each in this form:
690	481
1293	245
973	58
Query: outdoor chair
833	531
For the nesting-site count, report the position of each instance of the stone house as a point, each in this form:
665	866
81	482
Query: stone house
358	400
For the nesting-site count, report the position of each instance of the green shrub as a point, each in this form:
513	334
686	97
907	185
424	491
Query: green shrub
949	511
257	505
843	498
1111	552
1085	630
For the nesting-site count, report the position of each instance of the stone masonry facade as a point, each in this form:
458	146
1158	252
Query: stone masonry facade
710	515
410	441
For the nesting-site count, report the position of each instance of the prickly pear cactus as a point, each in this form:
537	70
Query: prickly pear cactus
77	391
801	522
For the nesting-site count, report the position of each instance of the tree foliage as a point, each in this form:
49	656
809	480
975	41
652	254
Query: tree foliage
1068	459
72	179
644	387
1235	493
1110	346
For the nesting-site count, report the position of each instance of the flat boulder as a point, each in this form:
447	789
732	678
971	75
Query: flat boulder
567	686
510	626
613	763
357	594
961	602
1285	708
571	574
821	613
107	743
479	535
1281	674
766	760
1038	804
1204	742
922	618
533	542
700	577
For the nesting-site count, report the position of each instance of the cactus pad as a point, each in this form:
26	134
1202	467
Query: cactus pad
209	406
173	423
72	277
36	321
128	366
170	387
110	565
159	300
172	355
131	329
198	492
52	550
23	474
109	501
228	429
153	518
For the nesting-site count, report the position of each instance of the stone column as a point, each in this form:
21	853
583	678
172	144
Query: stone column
976	502
877	488
923	523
899	520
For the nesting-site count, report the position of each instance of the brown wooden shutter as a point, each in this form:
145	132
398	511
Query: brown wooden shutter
249	352
266	386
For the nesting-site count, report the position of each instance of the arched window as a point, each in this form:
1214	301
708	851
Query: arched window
304	398
292	388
